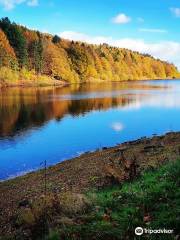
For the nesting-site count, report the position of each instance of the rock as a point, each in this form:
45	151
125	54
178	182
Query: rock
65	221
73	203
25	217
113	174
24	203
149	148
57	77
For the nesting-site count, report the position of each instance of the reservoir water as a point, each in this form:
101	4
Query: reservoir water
55	124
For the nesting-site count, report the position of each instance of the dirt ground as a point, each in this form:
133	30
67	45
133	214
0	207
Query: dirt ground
98	169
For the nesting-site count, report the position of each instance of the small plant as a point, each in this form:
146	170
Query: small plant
53	235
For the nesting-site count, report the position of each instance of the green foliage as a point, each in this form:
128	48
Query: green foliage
16	39
56	39
79	59
36	53
53	235
152	201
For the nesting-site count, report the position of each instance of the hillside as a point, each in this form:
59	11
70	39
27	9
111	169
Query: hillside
27	55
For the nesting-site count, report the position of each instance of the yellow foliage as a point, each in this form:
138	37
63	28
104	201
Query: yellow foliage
77	62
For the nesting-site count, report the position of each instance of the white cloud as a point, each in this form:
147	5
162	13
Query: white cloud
121	19
153	30
117	126
165	50
10	4
175	11
171	100
32	3
77	36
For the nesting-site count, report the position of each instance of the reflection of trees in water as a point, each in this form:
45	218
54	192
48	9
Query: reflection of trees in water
29	116
83	106
21	109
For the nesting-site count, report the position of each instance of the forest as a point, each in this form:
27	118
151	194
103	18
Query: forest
28	55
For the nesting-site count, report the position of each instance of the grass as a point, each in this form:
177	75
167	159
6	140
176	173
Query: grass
152	201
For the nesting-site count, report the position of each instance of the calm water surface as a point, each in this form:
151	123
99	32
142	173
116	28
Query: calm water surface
57	124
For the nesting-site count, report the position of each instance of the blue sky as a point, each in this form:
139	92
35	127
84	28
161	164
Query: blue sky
147	26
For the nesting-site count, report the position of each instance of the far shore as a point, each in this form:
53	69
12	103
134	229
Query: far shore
23	84
62	83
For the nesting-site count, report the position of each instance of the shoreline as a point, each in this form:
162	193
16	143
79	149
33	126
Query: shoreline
132	146
122	146
82	155
59	83
56	83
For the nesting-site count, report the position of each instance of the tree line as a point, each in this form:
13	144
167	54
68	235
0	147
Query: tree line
21	48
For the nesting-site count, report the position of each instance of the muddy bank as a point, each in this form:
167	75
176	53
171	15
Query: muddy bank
38	83
91	170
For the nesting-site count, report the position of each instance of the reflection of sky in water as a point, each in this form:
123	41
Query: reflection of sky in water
150	112
113	94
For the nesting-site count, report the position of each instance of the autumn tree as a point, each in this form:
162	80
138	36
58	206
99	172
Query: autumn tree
79	60
75	61
16	40
7	55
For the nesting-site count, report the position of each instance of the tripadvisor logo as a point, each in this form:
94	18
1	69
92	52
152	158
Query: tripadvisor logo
139	231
